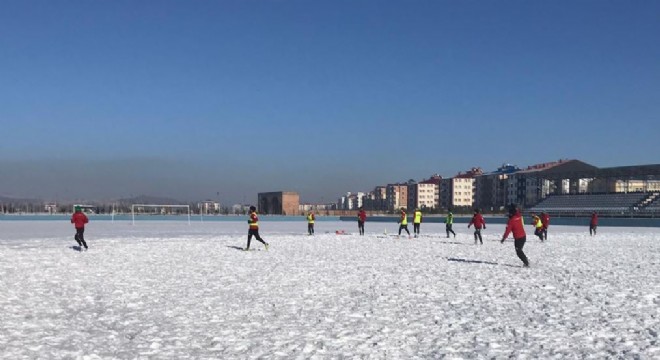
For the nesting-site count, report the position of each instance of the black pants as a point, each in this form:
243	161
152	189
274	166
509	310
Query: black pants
539	232
80	237
416	228
592	229
519	244
255	233
310	229
477	235
361	227
545	233
449	230
403	227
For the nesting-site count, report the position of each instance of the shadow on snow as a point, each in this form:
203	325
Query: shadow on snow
468	261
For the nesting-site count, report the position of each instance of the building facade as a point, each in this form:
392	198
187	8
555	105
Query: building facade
397	196
279	203
425	194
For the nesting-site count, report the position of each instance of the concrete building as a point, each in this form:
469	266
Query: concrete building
459	191
278	203
425	194
529	186
491	189
351	201
397	196
623	186
376	200
209	207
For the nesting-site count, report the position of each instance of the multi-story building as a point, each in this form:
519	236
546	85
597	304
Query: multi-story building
491	189
397	196
351	201
527	187
376	200
459	191
425	194
209	207
279	203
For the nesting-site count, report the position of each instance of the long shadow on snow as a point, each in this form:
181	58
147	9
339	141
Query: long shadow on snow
235	247
452	242
478	262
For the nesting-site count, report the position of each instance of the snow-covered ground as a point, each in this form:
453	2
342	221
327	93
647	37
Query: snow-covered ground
170	290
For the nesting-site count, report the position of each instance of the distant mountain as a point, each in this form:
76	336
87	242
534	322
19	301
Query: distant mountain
150	200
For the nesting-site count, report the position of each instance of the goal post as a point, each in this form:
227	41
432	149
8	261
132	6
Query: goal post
142	207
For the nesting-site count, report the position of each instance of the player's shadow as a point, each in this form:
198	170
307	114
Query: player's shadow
468	261
235	247
76	248
452	242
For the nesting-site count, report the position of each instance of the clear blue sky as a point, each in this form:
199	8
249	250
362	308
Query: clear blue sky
194	98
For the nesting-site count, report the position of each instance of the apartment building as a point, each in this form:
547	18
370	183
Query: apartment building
376	200
459	191
491	189
425	194
397	196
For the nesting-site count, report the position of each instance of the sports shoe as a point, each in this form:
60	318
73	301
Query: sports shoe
246	249
266	245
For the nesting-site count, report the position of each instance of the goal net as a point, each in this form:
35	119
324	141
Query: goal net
163	210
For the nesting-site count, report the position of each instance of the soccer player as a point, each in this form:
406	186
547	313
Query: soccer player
545	220
403	221
361	217
417	221
79	219
593	224
310	223
538	226
449	221
517	227
479	223
253	230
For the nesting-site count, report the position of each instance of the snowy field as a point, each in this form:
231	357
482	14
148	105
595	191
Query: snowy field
170	290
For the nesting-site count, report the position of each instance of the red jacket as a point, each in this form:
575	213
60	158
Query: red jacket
478	221
515	226
79	220
545	219
362	215
594	220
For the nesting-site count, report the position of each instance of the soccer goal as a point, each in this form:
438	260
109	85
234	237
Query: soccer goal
150	209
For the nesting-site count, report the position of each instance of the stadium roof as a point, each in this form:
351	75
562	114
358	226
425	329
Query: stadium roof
576	169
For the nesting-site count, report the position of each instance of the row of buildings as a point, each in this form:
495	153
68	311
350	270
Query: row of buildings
492	191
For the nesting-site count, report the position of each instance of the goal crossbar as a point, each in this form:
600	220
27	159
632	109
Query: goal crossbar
159	206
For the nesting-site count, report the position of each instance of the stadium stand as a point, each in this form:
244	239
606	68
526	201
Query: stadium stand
601	203
654	203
